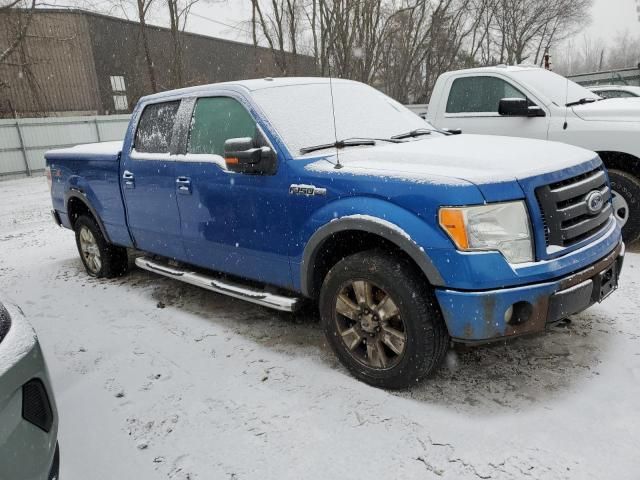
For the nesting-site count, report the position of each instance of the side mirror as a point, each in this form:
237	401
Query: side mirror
242	155
519	107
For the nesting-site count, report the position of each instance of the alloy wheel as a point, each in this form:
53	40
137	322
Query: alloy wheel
370	324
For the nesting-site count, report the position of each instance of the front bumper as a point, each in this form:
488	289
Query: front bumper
28	432
480	316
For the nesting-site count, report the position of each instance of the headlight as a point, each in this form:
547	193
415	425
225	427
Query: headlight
500	226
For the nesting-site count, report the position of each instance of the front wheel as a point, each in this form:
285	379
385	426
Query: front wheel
100	258
381	320
625	189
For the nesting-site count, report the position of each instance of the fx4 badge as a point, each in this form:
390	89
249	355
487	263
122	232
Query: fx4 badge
306	190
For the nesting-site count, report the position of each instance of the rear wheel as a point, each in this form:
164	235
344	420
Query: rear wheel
382	321
626	203
100	258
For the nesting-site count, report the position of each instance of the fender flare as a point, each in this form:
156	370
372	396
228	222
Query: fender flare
395	236
78	194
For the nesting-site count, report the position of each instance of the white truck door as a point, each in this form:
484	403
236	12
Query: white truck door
471	105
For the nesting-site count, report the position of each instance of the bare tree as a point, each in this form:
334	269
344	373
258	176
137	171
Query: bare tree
20	14
178	15
143	9
280	27
526	28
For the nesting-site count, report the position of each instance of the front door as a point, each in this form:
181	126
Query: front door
149	183
472	106
231	222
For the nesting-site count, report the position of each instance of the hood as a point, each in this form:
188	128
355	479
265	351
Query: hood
610	110
456	159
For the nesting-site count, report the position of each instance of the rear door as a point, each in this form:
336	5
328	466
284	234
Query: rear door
231	222
149	183
472	106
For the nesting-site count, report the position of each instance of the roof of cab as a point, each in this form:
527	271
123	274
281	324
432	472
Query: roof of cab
496	69
247	85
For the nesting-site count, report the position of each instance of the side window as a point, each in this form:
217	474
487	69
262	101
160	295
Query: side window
616	94
215	120
479	94
156	127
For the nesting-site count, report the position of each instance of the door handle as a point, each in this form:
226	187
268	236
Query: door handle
129	179
183	185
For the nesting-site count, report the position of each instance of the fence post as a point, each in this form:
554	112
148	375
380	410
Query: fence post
22	148
95	122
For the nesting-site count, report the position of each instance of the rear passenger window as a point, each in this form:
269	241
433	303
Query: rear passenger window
479	94
215	120
156	127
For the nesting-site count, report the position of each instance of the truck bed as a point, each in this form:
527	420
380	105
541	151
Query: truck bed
91	171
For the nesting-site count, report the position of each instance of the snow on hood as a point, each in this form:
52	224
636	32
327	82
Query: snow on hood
19	341
102	148
459	159
613	109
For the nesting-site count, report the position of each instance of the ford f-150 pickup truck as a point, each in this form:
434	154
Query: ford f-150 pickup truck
528	101
407	237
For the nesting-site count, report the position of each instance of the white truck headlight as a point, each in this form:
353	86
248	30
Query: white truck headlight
499	226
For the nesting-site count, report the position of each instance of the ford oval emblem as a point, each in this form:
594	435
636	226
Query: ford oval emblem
595	202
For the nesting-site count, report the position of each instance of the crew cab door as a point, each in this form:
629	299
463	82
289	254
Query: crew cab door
231	222
472	105
147	176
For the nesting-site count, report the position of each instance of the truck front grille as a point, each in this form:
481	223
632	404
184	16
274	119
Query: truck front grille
565	213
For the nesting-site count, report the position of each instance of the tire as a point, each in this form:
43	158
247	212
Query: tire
627	187
112	261
419	320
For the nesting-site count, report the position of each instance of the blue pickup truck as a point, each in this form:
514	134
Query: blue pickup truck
286	191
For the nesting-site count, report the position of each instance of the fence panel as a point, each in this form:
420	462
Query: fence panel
24	141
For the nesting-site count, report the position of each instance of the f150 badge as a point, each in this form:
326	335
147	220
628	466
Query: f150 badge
306	190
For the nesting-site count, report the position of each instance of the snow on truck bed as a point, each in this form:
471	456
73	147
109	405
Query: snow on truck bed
102	148
176	382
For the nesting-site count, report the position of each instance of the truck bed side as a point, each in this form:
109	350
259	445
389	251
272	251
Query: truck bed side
90	174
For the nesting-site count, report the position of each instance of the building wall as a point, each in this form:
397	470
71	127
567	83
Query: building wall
118	50
53	71
73	54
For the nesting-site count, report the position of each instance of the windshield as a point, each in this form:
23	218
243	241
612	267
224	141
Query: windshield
555	87
360	112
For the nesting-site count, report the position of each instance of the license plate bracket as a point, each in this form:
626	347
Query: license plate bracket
608	282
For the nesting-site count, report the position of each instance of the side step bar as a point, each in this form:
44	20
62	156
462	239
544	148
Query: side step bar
225	287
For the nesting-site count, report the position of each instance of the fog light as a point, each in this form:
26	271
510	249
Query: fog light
508	314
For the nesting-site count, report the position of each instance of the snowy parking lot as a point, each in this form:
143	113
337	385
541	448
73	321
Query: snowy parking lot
157	379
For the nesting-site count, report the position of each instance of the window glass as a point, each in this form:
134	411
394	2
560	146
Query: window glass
155	127
614	94
120	102
479	94
216	120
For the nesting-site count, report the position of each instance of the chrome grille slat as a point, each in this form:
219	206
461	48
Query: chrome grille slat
564	208
579	188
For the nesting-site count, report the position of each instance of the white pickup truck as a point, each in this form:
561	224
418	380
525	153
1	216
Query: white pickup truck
527	101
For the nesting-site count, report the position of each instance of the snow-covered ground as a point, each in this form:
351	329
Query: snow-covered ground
155	379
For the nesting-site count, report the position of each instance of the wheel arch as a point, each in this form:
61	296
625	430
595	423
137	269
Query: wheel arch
621	161
346	236
77	204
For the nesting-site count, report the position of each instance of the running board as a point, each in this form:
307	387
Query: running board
224	287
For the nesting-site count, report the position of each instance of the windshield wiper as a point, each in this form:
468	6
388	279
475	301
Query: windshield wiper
412	133
347	142
582	101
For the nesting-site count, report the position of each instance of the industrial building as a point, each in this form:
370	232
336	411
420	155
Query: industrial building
75	62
